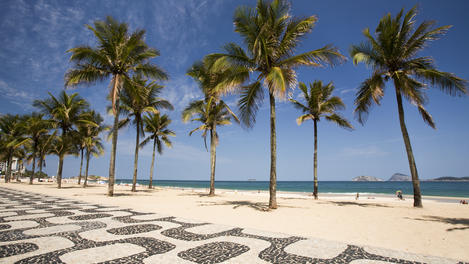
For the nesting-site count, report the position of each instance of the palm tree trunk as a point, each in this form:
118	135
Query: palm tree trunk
8	175
61	160
134	181
273	155
31	178
86	169
81	166
213	157
6	171
59	171
18	171
150	185
112	163
408	147
40	168
315	191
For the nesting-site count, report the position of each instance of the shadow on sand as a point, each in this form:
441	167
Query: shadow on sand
259	206
262	207
197	194
463	223
137	193
71	186
357	204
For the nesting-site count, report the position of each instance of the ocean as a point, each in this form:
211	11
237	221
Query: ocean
450	189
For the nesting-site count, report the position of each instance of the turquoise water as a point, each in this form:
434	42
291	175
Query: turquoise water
451	189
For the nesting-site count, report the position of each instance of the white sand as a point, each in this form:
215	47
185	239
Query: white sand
438	229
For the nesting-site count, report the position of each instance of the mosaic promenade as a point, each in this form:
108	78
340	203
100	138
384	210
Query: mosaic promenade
42	229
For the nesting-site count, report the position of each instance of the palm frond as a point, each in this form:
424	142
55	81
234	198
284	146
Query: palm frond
192	109
339	120
303	118
427	118
327	55
371	90
249	101
447	82
299	106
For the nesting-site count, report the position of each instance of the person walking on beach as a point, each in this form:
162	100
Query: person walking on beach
399	195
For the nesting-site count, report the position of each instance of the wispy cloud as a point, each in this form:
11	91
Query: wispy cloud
181	151
363	151
347	91
182	26
16	96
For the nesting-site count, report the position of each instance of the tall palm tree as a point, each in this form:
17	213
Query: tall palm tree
211	114
36	127
66	111
271	36
12	135
212	111
157	126
139	96
118	55
319	102
393	55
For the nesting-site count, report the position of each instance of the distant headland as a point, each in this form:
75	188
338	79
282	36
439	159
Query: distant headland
404	177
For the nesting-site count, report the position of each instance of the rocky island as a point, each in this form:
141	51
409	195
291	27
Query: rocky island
400	177
367	178
450	178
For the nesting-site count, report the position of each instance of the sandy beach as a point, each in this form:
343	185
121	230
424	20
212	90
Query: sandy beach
438	229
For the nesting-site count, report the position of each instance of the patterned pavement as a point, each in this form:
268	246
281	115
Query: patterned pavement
35	228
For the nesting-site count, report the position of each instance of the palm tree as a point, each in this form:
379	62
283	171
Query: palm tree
138	97
20	154
271	36
65	111
212	111
211	114
319	103
80	144
36	127
392	55
12	138
94	147
118	55
83	132
62	146
91	139
44	148
157	126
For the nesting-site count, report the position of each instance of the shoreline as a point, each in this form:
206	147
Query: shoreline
307	195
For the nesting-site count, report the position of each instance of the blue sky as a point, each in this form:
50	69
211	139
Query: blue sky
36	35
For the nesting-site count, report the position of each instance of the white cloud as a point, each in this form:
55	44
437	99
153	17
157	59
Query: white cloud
181	91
